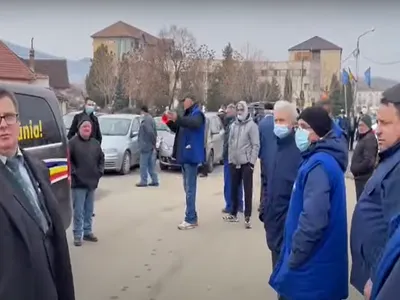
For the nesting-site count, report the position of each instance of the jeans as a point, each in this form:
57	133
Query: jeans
227	189
83	203
189	172
147	167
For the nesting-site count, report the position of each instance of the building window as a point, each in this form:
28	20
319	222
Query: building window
304	72
264	73
275	72
306	86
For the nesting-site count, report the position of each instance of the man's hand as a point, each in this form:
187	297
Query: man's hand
368	290
172	115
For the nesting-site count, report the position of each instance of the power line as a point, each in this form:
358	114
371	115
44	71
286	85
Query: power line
388	63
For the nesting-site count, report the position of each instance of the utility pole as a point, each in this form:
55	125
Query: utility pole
356	54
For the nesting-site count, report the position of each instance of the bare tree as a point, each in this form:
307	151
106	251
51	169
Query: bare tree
103	74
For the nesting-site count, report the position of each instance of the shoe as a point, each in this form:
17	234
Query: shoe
141	184
77	242
225	211
203	175
186	226
90	238
230	218
154	184
247	223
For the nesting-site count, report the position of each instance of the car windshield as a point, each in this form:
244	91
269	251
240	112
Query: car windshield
110	126
160	125
68	118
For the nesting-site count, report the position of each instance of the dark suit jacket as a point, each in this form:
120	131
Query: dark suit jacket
24	265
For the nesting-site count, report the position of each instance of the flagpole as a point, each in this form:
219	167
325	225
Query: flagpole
345	99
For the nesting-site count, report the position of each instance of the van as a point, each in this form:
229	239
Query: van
42	133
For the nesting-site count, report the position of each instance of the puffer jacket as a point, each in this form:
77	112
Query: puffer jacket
244	142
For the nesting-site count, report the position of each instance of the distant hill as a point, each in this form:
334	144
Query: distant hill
377	84
77	69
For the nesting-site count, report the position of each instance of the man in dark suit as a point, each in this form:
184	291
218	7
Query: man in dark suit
34	257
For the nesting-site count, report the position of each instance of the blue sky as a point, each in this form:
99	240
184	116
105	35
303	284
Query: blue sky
64	28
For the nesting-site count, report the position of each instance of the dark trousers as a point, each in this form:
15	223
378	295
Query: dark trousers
351	140
242	174
360	184
275	258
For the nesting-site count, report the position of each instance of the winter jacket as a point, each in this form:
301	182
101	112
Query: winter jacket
314	261
364	156
147	137
96	133
280	166
371	217
244	142
387	276
87	162
189	136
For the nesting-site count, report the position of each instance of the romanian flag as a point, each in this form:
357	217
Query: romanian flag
58	168
351	76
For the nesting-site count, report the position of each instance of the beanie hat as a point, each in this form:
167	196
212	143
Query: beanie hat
83	120
366	119
318	119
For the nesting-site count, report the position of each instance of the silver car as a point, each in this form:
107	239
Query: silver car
120	141
215	144
68	118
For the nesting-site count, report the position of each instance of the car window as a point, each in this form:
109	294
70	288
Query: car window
136	124
215	125
38	123
114	126
68	118
160	126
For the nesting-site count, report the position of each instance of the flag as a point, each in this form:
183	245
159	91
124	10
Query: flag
345	77
351	76
367	76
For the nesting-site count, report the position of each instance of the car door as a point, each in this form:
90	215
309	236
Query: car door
217	134
134	143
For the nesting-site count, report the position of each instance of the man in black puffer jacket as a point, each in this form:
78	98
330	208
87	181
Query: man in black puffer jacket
87	167
228	120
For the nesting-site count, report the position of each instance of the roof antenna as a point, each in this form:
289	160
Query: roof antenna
32	57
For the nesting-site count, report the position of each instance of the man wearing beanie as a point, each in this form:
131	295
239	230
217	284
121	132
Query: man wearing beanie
364	156
313	264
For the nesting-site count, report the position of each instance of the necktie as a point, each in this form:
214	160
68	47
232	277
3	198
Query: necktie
13	164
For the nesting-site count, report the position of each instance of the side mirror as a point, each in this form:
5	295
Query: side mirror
134	134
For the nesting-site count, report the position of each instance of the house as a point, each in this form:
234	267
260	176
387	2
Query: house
13	70
121	38
324	60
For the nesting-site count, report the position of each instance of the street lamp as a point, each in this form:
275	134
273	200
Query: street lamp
357	55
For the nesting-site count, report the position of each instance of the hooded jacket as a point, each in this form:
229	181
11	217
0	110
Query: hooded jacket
78	118
314	260
243	140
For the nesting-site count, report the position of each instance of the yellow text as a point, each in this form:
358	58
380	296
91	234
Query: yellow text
30	131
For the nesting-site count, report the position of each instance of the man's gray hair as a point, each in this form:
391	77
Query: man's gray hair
284	105
231	106
6	93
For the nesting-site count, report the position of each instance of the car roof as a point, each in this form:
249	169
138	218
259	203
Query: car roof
119	116
28	89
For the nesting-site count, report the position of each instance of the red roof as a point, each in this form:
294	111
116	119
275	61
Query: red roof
11	66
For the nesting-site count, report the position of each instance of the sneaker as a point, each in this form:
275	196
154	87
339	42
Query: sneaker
154	184
141	184
230	218
225	211
247	223
90	238
77	242
186	226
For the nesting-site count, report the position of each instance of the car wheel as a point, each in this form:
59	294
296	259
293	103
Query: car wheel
163	167
126	164
210	162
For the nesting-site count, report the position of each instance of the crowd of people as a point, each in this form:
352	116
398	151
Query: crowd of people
303	157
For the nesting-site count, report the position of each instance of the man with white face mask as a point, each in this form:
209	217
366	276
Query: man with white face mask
277	144
244	145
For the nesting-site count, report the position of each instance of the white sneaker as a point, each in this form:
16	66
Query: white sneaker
186	226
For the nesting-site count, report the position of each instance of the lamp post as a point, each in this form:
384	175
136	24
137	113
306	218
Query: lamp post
356	54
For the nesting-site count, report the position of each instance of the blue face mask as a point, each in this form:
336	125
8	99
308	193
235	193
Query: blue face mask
89	109
281	131
301	138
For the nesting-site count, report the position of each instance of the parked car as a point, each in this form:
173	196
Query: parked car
120	141
215	143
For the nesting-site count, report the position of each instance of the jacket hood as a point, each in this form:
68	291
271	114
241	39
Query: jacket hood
333	145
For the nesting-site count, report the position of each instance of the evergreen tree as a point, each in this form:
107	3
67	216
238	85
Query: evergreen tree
335	96
121	101
288	89
227	52
274	93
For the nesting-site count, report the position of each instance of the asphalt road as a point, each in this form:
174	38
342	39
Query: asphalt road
142	255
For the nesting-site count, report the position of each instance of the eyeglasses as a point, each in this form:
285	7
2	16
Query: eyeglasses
10	119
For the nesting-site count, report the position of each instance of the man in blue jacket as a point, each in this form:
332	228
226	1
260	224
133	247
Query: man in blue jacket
313	264
280	146
189	152
379	201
